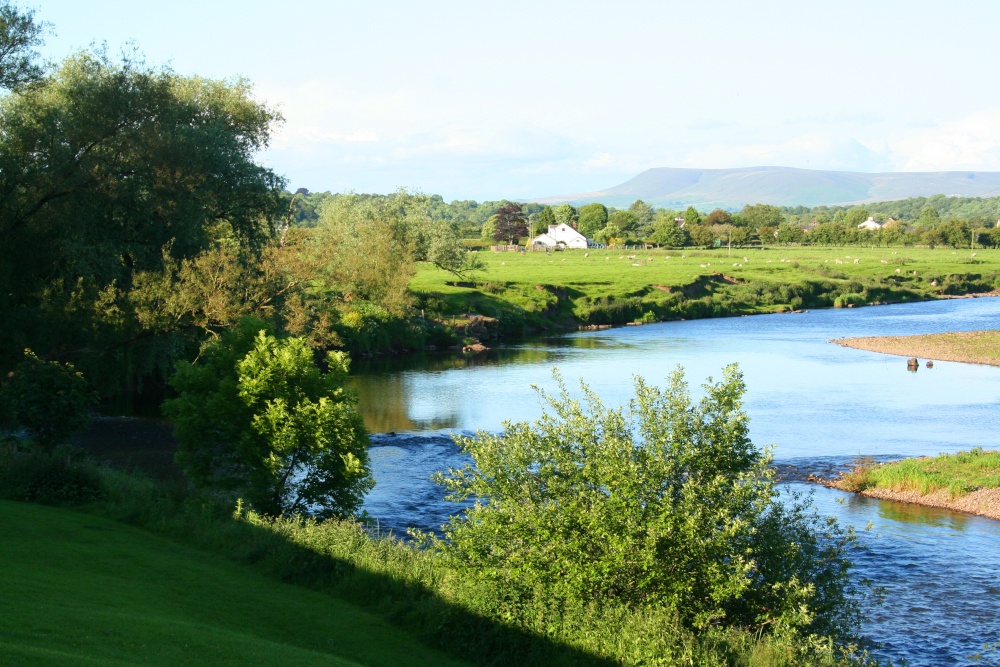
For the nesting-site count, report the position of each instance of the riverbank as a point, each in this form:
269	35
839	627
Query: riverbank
529	292
965	482
973	347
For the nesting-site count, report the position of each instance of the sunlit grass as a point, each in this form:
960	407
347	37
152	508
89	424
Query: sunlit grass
959	473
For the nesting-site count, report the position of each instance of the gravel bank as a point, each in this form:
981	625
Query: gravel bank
973	347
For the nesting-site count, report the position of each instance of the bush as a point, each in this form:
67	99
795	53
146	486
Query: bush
667	505
266	423
49	478
50	400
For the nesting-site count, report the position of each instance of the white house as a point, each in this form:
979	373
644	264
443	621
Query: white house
870	224
561	235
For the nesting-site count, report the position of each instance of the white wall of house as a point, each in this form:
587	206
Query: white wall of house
561	234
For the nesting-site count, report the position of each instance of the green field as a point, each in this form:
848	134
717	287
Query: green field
574	287
82	590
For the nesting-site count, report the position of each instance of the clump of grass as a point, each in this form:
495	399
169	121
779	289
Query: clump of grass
960	474
856	479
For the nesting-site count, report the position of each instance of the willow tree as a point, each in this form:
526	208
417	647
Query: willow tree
108	170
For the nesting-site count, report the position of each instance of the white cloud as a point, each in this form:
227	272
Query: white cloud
811	151
971	143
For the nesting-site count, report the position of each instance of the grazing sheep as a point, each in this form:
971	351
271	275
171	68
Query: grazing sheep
897	270
884	262
856	261
586	254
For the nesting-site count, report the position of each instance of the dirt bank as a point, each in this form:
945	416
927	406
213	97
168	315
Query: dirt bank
984	502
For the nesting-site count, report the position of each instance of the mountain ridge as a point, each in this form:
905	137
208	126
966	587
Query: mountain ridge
678	187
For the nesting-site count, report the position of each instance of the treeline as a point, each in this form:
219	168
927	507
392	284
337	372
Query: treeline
959	222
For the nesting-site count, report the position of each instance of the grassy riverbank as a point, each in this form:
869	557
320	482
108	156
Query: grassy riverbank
143	573
974	347
966	481
530	291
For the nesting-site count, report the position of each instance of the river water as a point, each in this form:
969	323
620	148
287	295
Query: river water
817	404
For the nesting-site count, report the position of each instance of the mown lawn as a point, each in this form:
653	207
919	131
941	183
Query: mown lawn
81	590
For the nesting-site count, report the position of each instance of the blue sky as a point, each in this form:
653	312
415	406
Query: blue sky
525	99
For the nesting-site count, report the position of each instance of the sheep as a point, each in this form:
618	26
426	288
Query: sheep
856	260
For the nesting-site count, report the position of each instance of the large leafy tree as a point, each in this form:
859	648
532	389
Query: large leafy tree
510	223
109	170
593	218
256	416
667	504
20	34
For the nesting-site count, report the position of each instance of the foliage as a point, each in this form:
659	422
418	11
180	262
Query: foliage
666	505
545	220
49	478
106	170
50	400
256	416
593	217
19	35
510	223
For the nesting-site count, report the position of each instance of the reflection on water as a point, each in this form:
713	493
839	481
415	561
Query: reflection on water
941	573
814	401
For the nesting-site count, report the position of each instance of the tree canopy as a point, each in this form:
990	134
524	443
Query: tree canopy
109	170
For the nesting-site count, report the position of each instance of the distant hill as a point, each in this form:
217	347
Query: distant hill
782	186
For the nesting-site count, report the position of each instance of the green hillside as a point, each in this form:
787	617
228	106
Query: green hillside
81	590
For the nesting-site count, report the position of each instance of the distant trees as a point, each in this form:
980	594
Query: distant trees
593	218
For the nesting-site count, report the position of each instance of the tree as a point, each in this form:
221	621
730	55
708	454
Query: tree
761	215
625	221
510	223
545	220
701	235
256	417
665	504
789	233
644	215
107	169
667	232
593	218
565	213
719	217
19	35
691	216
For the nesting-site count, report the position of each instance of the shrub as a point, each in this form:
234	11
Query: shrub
50	478
665	505
50	400
268	424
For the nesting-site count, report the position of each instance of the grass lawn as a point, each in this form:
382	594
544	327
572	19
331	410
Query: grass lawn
81	590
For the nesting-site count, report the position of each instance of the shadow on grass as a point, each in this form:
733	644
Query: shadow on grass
406	587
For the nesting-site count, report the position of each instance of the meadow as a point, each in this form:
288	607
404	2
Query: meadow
538	290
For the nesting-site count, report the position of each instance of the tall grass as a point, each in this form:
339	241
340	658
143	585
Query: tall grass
960	474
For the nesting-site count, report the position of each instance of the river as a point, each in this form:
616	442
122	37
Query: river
817	404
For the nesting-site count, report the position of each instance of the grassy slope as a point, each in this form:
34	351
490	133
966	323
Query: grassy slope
80	590
512	278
